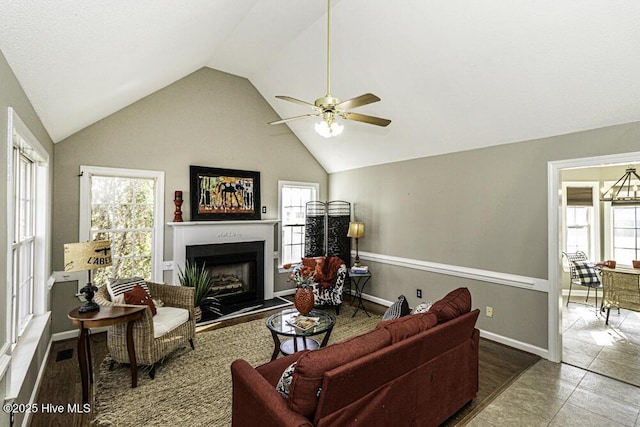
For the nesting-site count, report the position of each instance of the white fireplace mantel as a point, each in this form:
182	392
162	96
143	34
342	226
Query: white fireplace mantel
215	232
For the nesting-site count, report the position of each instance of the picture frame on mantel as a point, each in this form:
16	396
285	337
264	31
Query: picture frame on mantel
224	194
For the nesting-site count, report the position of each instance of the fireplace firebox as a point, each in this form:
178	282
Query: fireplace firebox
236	269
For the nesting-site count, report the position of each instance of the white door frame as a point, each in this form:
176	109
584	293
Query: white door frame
553	197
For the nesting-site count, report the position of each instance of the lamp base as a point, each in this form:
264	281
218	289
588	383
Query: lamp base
88	307
356	262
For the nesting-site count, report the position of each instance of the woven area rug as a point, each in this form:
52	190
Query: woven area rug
194	387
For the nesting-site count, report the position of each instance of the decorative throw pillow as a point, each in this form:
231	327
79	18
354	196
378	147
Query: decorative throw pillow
284	384
423	307
586	272
398	309
138	296
117	287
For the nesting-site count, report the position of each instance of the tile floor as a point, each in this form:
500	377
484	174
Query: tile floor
581	391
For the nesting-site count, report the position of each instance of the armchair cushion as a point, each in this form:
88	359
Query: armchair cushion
167	319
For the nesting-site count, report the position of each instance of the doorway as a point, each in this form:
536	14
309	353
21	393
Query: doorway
588	343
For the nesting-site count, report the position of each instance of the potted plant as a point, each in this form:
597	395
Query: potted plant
199	279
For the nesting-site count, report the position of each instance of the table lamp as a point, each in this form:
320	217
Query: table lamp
356	230
87	256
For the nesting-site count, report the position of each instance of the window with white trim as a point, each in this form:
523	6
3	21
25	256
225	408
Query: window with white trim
581	218
28	216
622	232
126	207
293	199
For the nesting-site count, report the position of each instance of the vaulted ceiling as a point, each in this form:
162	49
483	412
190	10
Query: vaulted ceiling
452	74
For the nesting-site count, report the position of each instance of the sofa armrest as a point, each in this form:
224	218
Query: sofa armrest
254	398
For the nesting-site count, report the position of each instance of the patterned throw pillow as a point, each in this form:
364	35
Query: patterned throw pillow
138	296
117	287
423	307
284	384
397	309
586	272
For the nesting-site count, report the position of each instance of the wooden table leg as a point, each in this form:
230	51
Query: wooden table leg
84	360
132	355
276	345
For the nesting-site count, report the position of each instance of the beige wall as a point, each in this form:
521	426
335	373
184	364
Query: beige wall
484	209
208	118
12	95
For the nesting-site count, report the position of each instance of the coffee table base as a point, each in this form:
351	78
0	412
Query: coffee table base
290	346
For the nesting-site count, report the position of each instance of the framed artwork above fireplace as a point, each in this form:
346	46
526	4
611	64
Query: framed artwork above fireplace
224	194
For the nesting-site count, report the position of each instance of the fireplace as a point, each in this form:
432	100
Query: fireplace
239	255
236	269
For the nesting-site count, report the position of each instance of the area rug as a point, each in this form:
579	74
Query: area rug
194	387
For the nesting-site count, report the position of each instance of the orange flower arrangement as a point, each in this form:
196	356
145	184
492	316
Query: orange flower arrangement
305	277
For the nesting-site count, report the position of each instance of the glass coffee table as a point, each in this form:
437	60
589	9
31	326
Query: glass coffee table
300	339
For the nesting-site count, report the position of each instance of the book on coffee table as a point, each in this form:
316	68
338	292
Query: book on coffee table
304	322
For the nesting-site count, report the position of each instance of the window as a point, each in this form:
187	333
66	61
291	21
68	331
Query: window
127	208
28	213
580	218
625	236
293	199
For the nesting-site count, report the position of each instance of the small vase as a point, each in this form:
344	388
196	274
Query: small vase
303	300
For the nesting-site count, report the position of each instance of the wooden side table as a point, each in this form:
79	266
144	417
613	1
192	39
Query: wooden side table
107	316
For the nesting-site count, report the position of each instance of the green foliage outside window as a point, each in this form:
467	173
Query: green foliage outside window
122	211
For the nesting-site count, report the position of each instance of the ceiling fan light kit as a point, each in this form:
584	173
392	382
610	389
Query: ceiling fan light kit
330	107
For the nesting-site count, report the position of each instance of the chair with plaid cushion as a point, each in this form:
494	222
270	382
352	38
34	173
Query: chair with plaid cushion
582	272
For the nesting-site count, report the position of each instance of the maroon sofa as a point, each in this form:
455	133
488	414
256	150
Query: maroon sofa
417	370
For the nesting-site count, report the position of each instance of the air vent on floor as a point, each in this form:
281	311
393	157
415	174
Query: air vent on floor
64	355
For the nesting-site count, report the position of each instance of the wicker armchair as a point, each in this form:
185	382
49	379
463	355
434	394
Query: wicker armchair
150	350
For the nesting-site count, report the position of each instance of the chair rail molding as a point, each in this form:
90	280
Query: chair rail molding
531	283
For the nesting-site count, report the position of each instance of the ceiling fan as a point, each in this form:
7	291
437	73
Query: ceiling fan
328	106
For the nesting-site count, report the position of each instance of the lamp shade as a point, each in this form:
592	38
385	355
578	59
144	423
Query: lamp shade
356	230
87	255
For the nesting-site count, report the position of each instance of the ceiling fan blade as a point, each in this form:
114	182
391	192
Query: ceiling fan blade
366	119
296	101
358	101
277	122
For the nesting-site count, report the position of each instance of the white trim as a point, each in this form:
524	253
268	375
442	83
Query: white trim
554	249
542	352
281	185
531	283
19	135
594	240
158	235
73	333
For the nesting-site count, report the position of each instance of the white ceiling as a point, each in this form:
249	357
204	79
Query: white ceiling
452	74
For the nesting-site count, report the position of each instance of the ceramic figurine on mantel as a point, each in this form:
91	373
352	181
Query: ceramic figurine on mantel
177	200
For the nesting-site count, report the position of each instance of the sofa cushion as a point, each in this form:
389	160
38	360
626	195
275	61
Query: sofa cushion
454	304
284	384
397	309
117	287
138	296
167	319
307	377
407	326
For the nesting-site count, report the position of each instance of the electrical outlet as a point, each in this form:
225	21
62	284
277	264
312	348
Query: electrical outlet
419	293
264	209
489	311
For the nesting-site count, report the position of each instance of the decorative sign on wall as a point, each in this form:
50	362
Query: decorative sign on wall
224	194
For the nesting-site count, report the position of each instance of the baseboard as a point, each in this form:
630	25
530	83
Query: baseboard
542	352
36	387
67	335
